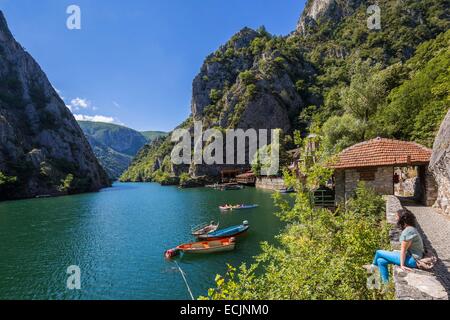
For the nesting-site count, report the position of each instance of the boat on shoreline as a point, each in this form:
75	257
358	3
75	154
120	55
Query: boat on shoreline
227	232
203	247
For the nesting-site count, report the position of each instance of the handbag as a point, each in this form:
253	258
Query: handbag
427	263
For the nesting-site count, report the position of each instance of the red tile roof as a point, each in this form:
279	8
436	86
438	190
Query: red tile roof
383	152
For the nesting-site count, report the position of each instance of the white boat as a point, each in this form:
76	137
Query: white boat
204	229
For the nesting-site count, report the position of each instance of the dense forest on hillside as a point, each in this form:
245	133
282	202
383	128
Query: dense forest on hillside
334	77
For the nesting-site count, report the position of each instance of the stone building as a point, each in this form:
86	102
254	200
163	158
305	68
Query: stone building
375	161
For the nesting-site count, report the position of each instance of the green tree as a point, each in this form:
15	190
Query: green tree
341	132
366	92
416	108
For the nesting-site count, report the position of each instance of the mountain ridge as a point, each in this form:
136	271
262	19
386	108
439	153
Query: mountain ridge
257	80
115	145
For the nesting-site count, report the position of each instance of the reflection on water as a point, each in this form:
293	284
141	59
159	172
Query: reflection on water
118	238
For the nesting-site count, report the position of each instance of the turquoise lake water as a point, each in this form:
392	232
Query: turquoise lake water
117	237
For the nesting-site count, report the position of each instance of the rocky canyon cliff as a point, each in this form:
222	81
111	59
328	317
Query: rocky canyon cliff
261	81
440	165
43	151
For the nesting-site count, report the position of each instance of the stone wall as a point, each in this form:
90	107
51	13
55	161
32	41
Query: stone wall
426	187
408	177
416	284
431	189
269	183
440	165
339	179
380	179
443	195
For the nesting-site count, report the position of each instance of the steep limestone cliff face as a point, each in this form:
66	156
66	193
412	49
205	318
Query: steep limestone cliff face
323	11
221	69
41	143
250	83
246	84
440	165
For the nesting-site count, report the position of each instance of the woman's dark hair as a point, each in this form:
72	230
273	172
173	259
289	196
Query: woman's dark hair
406	218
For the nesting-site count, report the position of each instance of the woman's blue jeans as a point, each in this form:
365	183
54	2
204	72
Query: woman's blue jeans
384	258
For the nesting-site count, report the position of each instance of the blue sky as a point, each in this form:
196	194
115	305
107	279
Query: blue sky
133	61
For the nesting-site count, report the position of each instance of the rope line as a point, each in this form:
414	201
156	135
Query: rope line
185	281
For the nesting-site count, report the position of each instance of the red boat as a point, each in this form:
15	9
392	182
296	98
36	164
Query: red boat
222	245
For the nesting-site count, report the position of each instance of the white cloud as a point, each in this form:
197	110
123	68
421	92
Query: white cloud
96	118
76	105
116	105
80	103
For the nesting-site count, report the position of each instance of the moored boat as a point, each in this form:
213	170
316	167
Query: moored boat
238	207
204	228
204	247
226	233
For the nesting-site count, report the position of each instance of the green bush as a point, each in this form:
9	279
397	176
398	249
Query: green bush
66	184
6	180
184	178
319	256
247	77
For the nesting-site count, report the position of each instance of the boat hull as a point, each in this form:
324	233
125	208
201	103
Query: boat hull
207	247
247	207
228	248
213	236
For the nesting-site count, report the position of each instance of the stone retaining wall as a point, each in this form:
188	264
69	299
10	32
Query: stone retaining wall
417	284
268	183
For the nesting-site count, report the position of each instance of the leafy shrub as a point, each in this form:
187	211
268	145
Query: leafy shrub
319	256
66	184
6	180
215	95
184	178
247	77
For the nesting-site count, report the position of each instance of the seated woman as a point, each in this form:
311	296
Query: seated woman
412	247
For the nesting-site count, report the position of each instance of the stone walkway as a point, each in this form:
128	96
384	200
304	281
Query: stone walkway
436	228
